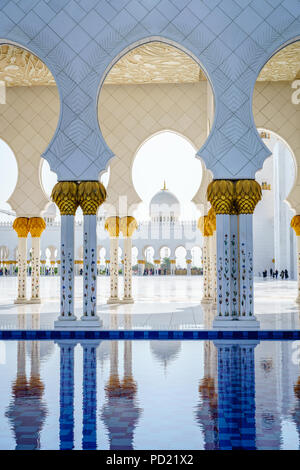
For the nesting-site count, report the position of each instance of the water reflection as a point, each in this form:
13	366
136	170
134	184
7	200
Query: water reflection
66	396
121	413
207	409
244	396
27	410
236	395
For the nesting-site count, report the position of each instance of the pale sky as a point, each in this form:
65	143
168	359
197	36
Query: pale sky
166	156
170	157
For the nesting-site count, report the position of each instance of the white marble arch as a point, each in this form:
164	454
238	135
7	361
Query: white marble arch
274	239
127	136
284	121
209	33
35	112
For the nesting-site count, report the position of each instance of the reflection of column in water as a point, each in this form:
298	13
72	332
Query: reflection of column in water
296	411
268	398
66	418
89	405
120	413
27	411
236	395
207	410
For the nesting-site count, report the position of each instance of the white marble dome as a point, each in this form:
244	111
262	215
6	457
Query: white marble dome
164	206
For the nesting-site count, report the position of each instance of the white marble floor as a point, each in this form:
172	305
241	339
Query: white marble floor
165	302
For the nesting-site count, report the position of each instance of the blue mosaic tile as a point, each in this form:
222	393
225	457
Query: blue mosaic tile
150	334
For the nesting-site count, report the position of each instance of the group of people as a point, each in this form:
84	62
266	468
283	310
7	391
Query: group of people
274	274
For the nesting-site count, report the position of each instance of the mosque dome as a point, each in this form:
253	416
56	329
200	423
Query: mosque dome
164	206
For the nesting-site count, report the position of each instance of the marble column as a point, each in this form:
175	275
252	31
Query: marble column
141	267
172	266
234	203
205	227
295	224
188	267
20	225
156	266
43	262
128	225
214	268
236	395
91	194
58	267
36	227
112	225
213	257
107	263
66	418
65	196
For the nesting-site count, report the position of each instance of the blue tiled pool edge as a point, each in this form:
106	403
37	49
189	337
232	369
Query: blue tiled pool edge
149	334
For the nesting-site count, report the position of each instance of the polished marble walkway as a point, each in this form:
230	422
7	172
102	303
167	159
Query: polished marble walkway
161	303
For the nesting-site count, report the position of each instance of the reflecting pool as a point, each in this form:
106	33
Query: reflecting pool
149	394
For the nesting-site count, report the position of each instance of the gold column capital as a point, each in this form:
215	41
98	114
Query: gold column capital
36	226
112	225
248	194
64	194
295	224
20	225
128	225
205	226
91	194
212	218
234	196
220	193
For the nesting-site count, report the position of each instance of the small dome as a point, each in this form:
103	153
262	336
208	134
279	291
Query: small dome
164	204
